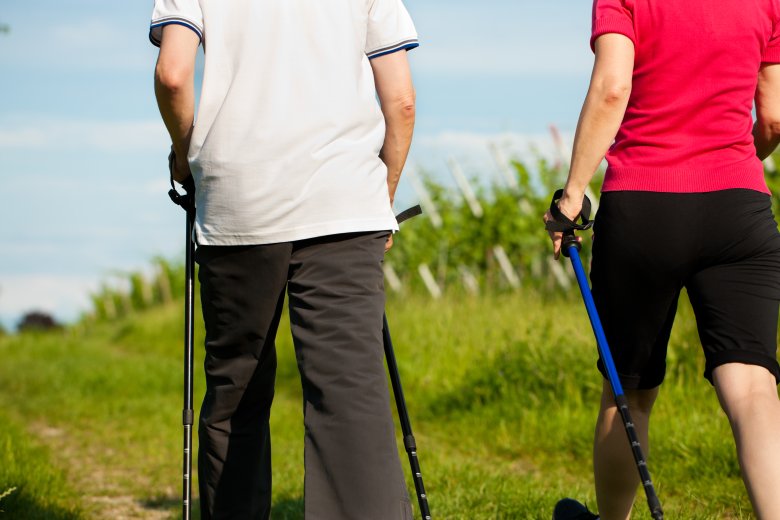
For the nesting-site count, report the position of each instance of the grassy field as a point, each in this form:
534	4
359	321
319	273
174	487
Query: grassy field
502	390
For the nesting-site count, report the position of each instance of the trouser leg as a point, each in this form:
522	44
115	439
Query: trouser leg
336	305
242	292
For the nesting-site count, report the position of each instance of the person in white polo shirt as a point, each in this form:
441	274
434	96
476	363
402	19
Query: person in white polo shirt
295	165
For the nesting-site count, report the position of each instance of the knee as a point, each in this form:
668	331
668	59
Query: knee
642	401
745	390
749	402
639	401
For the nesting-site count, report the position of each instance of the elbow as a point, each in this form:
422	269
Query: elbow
408	112
172	79
404	107
770	127
613	92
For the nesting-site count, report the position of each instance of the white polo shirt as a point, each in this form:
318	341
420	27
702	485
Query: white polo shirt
287	138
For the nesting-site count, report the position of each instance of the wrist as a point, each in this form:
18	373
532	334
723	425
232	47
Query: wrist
571	204
573	193
180	151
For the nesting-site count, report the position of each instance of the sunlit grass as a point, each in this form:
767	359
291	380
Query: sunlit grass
502	390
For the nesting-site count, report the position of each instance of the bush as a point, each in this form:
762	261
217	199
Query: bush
37	321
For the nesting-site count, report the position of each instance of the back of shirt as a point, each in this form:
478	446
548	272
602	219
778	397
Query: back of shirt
287	139
688	123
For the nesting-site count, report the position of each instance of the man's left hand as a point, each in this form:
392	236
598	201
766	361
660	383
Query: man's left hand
180	169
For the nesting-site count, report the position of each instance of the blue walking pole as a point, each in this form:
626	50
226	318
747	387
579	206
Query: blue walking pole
570	248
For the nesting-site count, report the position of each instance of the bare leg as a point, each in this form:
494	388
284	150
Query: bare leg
748	395
614	468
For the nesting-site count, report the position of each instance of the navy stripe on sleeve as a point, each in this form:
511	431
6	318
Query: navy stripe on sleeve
157	25
400	46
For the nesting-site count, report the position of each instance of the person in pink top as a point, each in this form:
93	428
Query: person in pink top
684	204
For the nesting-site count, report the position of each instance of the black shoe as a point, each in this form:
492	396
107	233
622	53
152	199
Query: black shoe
569	509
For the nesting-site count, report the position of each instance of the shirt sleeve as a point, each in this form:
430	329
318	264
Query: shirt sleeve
612	16
390	28
179	12
772	49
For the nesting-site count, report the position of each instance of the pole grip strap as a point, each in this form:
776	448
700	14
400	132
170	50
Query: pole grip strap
408	213
563	223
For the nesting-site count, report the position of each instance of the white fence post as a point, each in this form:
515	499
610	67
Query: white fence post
428	206
429	281
503	167
506	266
465	188
392	278
469	280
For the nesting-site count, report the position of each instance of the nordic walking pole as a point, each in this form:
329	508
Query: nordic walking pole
570	248
406	427
187	202
403	413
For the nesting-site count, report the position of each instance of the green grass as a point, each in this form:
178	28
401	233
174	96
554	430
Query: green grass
29	484
502	390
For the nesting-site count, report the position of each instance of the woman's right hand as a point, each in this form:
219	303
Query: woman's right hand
571	208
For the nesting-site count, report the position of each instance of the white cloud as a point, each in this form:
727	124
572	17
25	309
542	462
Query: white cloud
63	296
108	136
486	149
481	156
21	138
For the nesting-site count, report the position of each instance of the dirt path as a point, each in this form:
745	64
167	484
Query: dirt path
103	496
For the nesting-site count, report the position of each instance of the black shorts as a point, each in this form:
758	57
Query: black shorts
723	247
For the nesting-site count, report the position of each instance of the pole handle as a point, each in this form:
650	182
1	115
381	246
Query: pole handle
570	242
562	223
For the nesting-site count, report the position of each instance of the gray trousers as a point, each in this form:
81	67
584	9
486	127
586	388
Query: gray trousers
336	302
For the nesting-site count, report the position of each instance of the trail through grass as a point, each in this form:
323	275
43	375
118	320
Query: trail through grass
502	390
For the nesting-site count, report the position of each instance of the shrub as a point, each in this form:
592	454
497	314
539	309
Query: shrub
37	321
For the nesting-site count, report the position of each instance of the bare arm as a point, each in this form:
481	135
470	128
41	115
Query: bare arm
174	88
766	131
394	86
603	111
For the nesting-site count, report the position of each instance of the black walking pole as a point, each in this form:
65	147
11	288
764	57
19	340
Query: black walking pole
570	248
406	426
187	201
403	413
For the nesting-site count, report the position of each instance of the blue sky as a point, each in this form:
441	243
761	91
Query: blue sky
83	177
